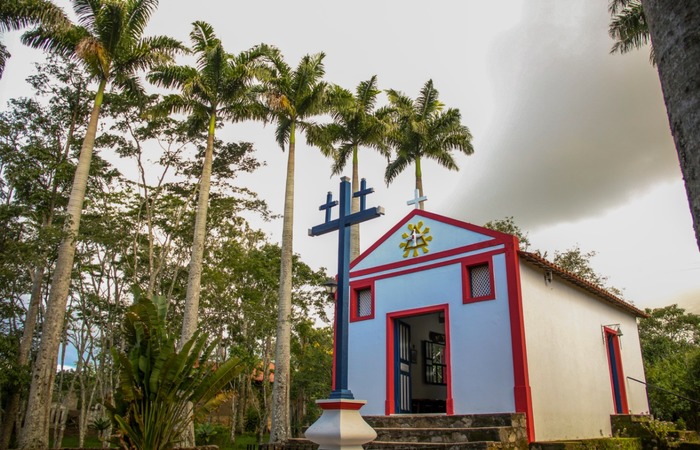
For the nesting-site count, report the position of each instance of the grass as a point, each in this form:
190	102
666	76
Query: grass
70	440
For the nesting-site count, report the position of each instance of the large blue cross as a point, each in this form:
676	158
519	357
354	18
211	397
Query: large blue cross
342	305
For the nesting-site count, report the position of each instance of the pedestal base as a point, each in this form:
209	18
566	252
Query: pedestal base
340	426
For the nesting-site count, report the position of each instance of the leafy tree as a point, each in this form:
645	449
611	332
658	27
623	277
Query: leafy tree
572	260
355	124
110	46
509	226
293	97
36	139
670	340
422	130
579	263
18	14
674	30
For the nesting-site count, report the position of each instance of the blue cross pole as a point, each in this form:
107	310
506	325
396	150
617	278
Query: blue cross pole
342	307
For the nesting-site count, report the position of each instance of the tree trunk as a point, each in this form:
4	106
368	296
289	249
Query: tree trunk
674	27
25	346
34	301
194	278
355	206
279	431
419	183
35	432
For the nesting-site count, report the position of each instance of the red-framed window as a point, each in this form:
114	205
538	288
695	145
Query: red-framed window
361	300
477	280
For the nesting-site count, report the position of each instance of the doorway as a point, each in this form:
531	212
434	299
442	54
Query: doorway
617	376
418	362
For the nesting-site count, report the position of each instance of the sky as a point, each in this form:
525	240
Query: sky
571	141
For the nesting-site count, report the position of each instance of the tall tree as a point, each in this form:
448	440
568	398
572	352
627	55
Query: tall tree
355	124
422	130
219	88
109	43
18	14
293	97
39	139
674	29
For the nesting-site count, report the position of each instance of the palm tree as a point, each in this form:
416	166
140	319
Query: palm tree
674	30
354	125
219	88
293	96
421	129
108	42
18	14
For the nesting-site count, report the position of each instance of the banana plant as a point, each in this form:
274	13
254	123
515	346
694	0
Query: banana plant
157	382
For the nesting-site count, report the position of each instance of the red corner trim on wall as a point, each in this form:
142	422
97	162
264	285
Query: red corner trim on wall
521	378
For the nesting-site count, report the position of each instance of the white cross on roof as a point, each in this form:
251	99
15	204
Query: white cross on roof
417	199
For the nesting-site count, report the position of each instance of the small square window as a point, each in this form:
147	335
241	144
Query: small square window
364	302
361	301
477	280
480	281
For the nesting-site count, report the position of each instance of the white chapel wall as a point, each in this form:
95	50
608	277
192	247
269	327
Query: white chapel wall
567	358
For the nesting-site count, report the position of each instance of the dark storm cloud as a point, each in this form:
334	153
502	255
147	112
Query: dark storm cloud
576	131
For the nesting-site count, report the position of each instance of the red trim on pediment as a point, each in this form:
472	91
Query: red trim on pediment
496	235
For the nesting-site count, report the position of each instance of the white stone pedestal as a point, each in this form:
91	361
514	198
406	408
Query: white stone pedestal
340	426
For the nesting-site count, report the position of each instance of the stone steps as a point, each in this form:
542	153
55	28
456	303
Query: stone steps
441	435
439	431
382	445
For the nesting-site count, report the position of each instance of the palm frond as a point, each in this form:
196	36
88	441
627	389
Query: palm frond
395	167
366	94
203	37
138	13
18	14
629	29
283	130
62	42
4	55
86	11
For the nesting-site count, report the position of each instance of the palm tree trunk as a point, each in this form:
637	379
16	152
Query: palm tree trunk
419	183
34	301
194	278
279	431
35	433
674	27
355	206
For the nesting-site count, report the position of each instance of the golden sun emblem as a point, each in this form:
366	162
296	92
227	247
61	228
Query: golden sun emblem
415	239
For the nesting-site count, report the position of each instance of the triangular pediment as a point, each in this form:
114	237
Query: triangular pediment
421	235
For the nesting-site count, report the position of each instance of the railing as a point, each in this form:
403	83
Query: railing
664	390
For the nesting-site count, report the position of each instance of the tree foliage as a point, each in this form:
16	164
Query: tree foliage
670	340
158	384
509	226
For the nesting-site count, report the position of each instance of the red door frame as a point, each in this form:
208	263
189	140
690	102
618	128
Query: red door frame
390	405
617	374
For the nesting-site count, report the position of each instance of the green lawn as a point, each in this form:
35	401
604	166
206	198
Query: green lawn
70	440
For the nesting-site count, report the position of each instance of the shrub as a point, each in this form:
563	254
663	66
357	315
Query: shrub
161	389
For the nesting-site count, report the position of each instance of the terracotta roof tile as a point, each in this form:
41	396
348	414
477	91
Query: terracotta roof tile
538	261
